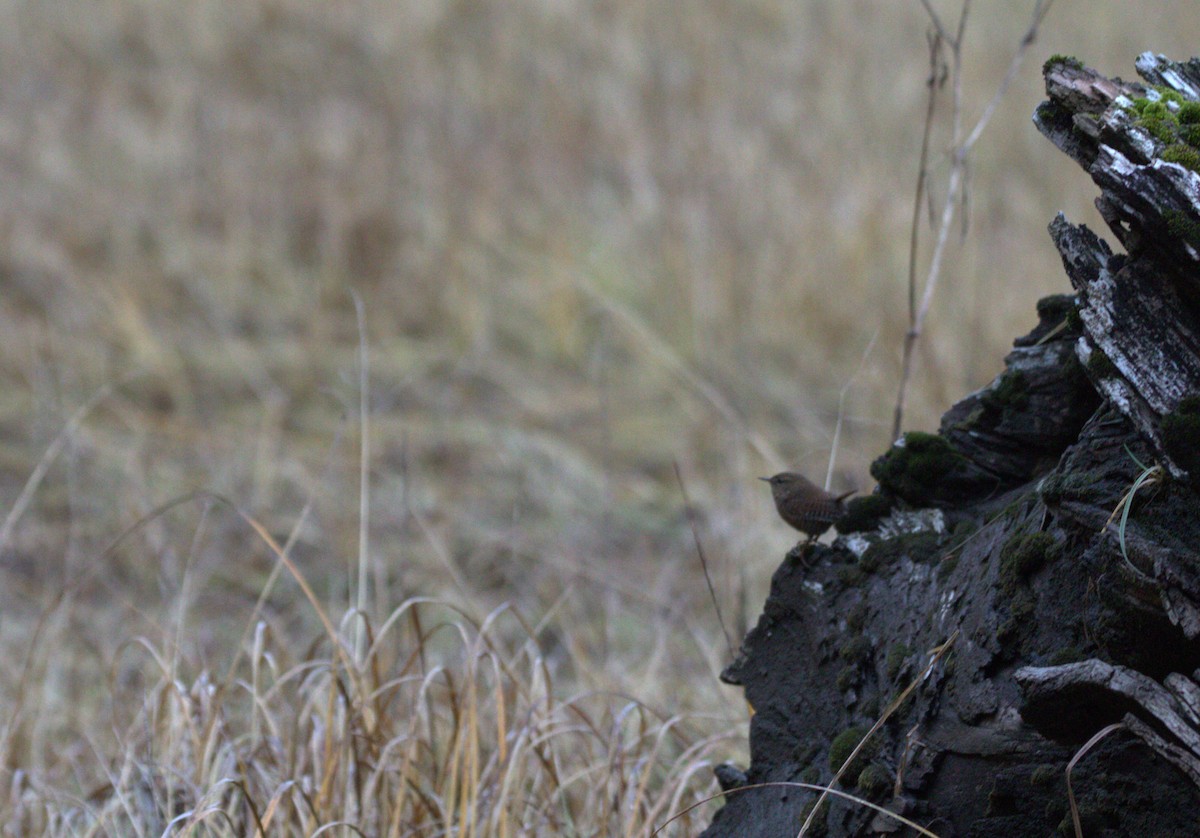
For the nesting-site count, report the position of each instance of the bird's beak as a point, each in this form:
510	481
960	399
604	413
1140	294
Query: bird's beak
765	478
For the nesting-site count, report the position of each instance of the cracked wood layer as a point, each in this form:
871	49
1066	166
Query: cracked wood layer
1140	310
1084	696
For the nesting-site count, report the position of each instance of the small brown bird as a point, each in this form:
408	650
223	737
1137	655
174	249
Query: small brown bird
805	505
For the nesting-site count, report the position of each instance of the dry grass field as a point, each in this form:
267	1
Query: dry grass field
349	350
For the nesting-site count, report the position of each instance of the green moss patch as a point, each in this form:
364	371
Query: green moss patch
897	657
1181	226
1181	435
1074	321
875	781
919	547
1046	774
1169	94
1100	366
1177	128
1021	605
851	575
1066	60
843	745
1068	654
1183	154
856	650
1156	119
1189	113
918	468
1071	486
1054	308
863	514
947	566
1021	557
1011	392
817	828
857	618
1189	123
1024	555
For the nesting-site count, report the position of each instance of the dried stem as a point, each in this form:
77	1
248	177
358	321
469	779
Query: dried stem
959	151
712	592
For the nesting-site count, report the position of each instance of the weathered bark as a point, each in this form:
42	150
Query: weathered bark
1076	598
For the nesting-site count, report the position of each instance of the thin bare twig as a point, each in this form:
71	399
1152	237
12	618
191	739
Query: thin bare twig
936	21
837	428
937	78
955	189
53	450
1014	65
712	592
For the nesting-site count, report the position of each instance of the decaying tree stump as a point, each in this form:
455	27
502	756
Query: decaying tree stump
1053	523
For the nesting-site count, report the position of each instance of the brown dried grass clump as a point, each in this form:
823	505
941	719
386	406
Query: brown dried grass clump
440	724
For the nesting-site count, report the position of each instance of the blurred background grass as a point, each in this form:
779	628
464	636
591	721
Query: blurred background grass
592	239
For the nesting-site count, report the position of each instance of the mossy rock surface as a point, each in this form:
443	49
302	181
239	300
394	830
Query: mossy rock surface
865	513
1181	436
923	470
844	744
918	547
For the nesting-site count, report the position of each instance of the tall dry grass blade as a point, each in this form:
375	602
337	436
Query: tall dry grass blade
51	454
283	558
712	592
1087	746
639	798
185	592
364	477
841	410
273	805
469	743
